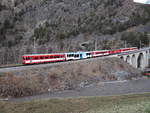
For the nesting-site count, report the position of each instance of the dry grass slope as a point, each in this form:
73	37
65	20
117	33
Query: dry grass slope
64	77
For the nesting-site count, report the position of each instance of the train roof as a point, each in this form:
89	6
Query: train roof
53	53
101	50
78	52
44	54
127	47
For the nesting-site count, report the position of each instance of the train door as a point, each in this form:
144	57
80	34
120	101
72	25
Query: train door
81	56
30	60
84	55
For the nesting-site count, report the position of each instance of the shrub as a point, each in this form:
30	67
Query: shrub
134	38
41	35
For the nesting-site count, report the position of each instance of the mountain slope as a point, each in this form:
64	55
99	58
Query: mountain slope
41	26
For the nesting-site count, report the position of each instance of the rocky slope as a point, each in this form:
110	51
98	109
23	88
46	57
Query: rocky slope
42	26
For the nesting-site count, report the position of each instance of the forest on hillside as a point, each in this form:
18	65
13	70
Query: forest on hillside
45	26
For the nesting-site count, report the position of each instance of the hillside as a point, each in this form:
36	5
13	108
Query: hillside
45	26
65	76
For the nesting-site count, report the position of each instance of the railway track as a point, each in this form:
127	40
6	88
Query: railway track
34	66
11	65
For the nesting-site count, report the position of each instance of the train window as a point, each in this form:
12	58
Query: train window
70	55
76	55
35	58
46	57
51	56
30	58
42	57
88	53
56	56
27	58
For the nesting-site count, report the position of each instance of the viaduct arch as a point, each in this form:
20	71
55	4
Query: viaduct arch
140	61
137	59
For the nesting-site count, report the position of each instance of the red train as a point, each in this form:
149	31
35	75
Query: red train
58	57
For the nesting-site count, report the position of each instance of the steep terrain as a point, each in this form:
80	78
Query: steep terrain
44	26
69	76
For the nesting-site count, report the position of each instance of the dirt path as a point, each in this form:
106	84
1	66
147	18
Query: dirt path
100	89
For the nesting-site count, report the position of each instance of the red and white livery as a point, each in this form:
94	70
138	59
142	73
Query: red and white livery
58	57
43	58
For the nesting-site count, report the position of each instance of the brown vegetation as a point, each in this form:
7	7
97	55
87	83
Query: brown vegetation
69	76
67	25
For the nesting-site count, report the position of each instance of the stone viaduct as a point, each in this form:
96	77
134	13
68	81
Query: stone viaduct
138	58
